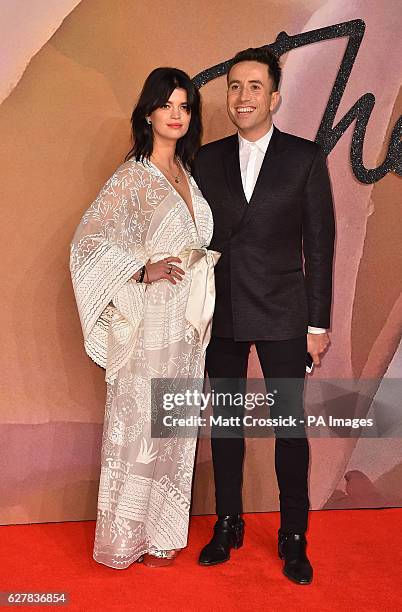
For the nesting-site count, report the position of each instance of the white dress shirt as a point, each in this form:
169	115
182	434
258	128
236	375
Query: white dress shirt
251	156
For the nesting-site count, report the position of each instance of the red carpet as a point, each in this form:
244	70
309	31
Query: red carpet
356	554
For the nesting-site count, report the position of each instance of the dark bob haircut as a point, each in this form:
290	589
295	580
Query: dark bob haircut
157	90
262	55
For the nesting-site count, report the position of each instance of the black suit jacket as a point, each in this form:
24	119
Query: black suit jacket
262	290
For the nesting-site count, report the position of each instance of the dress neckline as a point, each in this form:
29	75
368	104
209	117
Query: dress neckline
193	219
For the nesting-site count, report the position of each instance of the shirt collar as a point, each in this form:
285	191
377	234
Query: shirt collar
261	143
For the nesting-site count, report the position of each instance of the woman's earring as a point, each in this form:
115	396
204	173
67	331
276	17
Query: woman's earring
148	120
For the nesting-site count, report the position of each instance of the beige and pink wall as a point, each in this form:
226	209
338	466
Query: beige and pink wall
69	76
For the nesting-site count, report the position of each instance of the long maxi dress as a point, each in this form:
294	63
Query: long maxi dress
138	332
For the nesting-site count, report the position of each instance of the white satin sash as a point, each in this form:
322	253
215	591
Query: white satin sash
201	300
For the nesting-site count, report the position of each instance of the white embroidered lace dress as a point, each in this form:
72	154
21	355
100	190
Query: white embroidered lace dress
138	332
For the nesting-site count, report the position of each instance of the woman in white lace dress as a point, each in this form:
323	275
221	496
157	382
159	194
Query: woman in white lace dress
143	280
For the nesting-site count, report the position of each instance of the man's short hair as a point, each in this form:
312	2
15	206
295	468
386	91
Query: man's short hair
262	55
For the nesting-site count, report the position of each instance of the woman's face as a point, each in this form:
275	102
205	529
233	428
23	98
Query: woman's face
172	119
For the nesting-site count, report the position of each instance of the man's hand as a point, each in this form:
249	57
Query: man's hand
317	344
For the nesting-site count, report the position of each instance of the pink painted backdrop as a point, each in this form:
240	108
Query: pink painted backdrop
68	86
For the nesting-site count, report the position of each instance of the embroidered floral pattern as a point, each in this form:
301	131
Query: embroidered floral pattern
137	333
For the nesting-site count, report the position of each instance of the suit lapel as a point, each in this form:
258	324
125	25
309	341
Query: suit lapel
233	175
266	177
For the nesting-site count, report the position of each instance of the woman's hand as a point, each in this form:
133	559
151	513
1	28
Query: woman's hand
163	269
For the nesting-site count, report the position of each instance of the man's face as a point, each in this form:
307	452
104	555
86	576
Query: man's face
250	99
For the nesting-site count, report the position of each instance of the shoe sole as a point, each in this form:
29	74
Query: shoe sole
297	581
213	562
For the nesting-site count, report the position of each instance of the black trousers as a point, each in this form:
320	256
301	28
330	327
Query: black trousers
227	359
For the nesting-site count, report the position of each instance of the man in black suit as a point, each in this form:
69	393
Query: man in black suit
271	200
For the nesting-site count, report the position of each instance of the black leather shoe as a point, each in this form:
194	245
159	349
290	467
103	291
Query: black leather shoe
228	533
292	549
